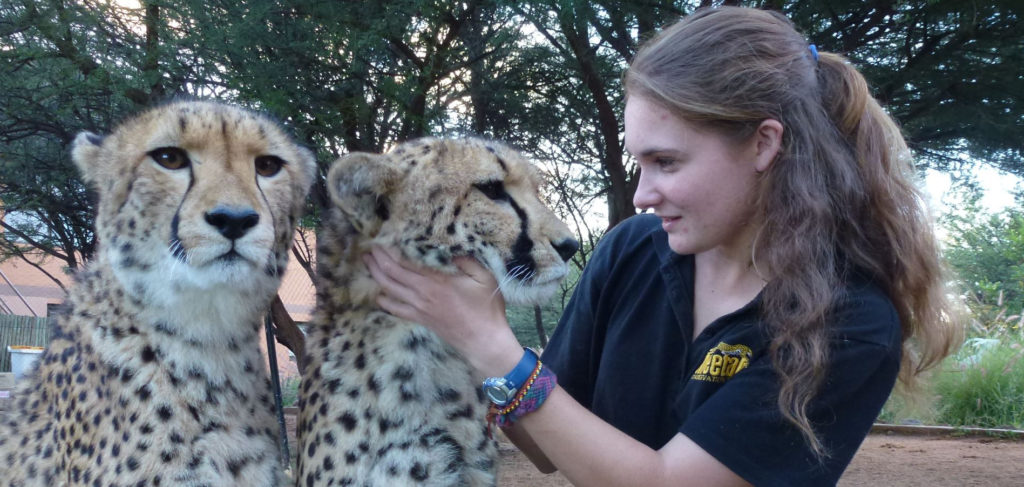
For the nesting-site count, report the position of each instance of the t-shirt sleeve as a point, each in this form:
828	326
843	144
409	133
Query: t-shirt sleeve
742	427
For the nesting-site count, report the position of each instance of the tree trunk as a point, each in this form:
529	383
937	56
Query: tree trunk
620	184
287	332
151	66
539	322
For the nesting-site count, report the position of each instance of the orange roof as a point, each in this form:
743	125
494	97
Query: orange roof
38	290
35	288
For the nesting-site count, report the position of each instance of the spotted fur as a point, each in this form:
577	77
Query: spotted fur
385	402
153	376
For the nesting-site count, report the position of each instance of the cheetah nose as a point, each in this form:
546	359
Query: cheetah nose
566	248
232	222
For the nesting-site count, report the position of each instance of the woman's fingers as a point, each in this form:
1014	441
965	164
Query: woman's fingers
463	308
476	271
394	261
397	307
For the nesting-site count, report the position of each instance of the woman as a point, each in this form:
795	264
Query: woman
750	330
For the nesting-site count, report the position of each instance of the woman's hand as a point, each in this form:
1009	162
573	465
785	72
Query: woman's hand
465	309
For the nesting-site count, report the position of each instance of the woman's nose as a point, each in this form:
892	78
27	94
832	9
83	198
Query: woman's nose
645	195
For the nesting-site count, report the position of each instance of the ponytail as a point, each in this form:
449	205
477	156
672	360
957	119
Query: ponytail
903	251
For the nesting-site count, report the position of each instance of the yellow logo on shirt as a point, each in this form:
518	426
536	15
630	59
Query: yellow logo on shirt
722	362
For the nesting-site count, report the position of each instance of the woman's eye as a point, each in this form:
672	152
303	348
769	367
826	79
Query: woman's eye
664	162
267	166
170	157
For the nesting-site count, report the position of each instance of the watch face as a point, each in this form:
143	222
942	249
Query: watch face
497	395
498	391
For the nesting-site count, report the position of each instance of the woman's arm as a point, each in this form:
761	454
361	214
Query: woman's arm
524	442
467	311
589	451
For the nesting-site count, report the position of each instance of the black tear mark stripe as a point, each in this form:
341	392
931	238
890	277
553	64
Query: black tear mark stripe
179	250
266	202
523	245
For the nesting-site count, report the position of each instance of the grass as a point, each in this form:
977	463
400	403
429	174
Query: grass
523	321
290	391
984	385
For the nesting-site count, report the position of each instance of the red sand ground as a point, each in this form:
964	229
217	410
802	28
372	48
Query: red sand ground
883	460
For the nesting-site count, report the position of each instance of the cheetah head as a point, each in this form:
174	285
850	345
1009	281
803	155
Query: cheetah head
197	199
436	199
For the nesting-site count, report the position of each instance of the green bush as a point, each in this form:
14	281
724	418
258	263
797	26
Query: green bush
910	409
523	321
983	385
290	391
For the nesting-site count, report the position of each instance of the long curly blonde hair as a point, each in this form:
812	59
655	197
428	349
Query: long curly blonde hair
839	197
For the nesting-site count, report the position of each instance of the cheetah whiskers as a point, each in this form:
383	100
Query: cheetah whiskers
512	278
506	278
176	251
520	284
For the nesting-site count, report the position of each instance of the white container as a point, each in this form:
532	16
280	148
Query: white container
23	359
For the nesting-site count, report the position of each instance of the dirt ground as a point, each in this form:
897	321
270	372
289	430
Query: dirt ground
883	460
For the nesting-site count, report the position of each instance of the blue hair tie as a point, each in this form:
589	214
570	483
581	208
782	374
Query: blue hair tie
814	51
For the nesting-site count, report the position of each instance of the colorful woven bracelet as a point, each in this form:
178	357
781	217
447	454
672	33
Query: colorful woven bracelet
530	397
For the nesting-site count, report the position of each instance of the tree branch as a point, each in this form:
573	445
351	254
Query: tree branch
43	248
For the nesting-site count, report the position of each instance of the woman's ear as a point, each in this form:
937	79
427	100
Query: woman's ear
768	138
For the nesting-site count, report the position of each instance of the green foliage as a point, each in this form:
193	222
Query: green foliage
523	319
983	385
986	252
948	70
523	322
541	74
290	391
903	408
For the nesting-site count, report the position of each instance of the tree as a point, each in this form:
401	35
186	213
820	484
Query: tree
541	74
592	43
986	252
948	70
64	68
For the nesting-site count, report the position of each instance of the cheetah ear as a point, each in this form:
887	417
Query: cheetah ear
85	152
360	184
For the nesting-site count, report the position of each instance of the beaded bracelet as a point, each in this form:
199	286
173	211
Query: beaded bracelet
529	398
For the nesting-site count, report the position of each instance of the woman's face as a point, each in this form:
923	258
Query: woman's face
700	183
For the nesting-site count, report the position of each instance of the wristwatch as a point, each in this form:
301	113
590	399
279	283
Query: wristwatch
501	390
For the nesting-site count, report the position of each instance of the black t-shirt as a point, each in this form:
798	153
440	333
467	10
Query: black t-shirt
624	350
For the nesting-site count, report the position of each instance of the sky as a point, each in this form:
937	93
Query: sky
997	185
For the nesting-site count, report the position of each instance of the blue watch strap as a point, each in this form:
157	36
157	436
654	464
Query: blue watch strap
523	369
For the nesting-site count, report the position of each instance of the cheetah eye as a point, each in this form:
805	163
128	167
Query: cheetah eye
494	190
267	166
170	157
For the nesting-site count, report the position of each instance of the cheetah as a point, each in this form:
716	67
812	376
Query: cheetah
153	375
384	402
